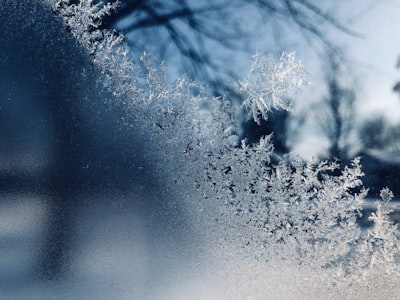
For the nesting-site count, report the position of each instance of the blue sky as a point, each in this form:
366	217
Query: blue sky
373	58
377	55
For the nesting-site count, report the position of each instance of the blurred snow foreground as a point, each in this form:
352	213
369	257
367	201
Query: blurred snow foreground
204	215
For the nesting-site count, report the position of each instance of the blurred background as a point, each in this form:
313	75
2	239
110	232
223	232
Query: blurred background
79	206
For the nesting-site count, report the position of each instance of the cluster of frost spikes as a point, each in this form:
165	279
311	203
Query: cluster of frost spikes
303	212
84	19
145	84
281	208
269	83
107	50
380	250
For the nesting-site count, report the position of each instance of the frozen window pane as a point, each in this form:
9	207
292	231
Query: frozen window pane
118	182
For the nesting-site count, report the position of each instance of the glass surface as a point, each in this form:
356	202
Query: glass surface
120	179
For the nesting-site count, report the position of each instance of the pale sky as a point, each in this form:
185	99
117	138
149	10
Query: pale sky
374	57
377	56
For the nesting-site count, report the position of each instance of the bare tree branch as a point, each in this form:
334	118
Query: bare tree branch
192	26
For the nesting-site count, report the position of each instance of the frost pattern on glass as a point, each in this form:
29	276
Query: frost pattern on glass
275	211
269	82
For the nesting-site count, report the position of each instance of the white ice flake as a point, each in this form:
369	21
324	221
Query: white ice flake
270	82
277	208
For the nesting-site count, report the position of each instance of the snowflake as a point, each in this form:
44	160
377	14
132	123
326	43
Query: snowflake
269	83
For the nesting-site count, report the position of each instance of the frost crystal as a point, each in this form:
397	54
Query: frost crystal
106	49
276	210
269	82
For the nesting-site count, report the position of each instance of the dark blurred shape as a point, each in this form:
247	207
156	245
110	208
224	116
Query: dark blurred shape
62	135
276	125
377	133
334	114
373	134
396	88
382	169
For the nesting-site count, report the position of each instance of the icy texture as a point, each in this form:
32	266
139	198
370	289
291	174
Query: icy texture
271	227
294	212
270	82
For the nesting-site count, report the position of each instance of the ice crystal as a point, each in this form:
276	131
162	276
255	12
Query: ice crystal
269	82
105	48
272	208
